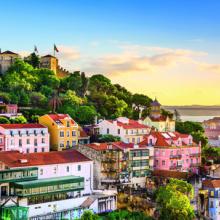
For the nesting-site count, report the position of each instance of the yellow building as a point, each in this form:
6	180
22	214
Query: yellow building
156	120
64	132
49	62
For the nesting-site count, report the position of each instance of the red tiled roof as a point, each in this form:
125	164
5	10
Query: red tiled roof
115	145
171	174
211	183
12	158
58	116
164	141
132	124
21	126
101	146
82	133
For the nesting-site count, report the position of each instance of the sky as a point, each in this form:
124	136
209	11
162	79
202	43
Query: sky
169	49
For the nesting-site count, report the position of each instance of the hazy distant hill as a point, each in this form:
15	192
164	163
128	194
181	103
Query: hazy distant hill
195	110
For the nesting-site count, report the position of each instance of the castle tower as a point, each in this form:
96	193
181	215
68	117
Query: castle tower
6	60
155	109
49	62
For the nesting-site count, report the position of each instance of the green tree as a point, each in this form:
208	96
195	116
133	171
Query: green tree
38	99
71	98
19	120
102	138
4	120
88	215
33	59
85	115
174	201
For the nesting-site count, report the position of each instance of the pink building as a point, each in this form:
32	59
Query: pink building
174	151
25	138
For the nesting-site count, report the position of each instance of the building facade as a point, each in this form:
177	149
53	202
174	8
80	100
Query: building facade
25	138
157	120
210	192
119	163
130	131
174	151
64	131
51	185
6	60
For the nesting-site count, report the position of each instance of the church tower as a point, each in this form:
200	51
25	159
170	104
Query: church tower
155	111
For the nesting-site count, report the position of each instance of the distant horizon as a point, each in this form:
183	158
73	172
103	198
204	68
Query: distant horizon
149	47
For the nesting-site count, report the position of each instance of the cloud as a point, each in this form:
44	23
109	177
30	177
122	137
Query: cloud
138	59
215	68
69	53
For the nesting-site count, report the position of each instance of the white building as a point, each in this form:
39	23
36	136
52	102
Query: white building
130	131
50	185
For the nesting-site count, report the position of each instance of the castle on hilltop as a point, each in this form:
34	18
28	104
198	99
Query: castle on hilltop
49	62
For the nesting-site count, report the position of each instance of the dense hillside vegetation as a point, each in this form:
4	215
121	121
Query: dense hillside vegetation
80	96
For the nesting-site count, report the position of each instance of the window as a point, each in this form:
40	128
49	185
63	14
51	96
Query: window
163	152
42	149
163	162
133	140
171	152
138	140
73	143
107	130
79	167
28	141
126	131
35	142
68	133
12	142
118	131
1	141
68	144
35	150
68	169
41	171
28	150
54	170
20	142
43	140
61	133
61	144
150	142
68	124
211	204
157	162
73	133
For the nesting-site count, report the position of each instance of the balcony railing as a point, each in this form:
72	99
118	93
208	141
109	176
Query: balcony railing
195	155
18	174
178	156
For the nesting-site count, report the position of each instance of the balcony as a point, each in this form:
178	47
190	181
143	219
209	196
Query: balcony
178	156
18	174
48	186
195	155
195	164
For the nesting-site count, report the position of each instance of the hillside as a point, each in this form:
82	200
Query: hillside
78	95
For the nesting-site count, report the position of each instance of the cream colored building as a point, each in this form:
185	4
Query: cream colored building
157	120
6	60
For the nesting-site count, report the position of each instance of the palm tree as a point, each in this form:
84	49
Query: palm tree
55	101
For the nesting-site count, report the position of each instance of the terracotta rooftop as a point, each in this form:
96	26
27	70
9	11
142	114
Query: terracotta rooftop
171	174
13	158
58	117
132	124
165	139
21	126
211	183
114	145
82	133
